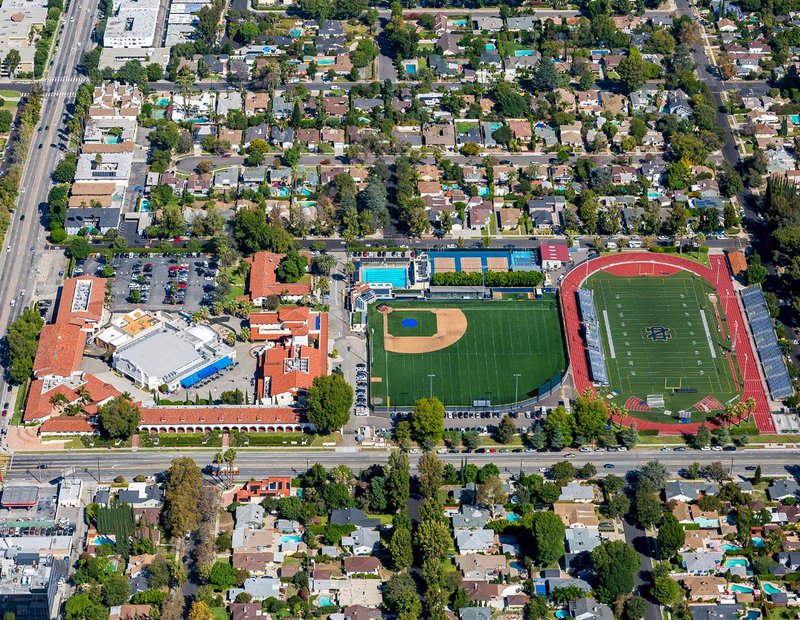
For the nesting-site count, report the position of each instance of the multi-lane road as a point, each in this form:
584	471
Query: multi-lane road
25	238
254	463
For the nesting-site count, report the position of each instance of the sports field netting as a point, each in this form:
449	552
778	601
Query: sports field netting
502	338
661	335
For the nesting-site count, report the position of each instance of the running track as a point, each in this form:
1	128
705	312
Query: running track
646	263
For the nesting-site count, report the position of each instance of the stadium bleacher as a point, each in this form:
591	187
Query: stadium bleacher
769	351
591	334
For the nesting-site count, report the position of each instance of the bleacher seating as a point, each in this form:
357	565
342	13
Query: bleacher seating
591	334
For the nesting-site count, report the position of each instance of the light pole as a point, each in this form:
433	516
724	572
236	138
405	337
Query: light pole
371	345
430	377
516	388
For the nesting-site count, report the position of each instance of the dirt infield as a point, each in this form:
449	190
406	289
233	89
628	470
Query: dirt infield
451	325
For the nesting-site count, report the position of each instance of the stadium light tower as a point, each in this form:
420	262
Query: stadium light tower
430	377
516	388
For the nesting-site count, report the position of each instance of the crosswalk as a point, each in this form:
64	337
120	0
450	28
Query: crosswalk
59	93
64	78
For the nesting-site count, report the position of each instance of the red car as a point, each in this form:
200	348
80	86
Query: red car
5	412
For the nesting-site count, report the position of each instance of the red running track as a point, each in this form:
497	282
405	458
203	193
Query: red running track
646	263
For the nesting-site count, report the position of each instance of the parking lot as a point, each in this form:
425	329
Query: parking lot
155	281
362	380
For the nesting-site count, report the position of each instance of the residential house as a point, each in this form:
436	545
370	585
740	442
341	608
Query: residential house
475	541
702	563
586	608
363	541
480	567
361	565
576	492
571	135
780	490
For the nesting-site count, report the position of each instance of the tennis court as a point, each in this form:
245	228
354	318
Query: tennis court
665	336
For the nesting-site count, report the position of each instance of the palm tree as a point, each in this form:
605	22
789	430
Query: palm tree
229	457
349	268
58	401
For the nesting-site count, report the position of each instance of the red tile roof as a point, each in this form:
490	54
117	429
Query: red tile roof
271	486
39	406
66	424
262	281
60	350
94	310
218	415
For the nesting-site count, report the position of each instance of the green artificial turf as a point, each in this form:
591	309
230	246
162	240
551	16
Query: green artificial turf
425	323
503	338
661	334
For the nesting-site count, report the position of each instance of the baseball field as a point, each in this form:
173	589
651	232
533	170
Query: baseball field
463	351
665	337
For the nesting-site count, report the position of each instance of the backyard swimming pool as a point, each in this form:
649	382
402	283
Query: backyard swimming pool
287	538
512	517
741	589
523	53
728	547
770	589
103	540
144	207
758	541
324	601
562	613
735	562
396	276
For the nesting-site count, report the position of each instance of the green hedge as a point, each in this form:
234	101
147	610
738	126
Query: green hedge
489	278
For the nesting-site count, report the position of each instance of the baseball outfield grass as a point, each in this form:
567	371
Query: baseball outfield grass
507	351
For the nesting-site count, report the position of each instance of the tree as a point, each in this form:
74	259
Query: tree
84	607
431	474
666	590
13	59
427	421
222	575
635	608
329	401
400	549
716	471
702	438
182	497
630	436
292	267
590	415
671	536
401	598
505	430
79	248
398	486
323	264
756	272
655	472
548	537
545	76
491	493
116	590
432	539
5	121
632	70
563	472
757	475
647	508
471	440
22	342
119	418
200	611
615	563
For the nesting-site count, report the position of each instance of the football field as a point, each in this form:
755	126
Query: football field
665	337
495	351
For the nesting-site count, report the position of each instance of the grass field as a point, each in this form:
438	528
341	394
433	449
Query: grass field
502	339
662	336
416	323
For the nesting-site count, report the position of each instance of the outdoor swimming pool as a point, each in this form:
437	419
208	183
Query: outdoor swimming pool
396	276
523	53
411	69
490	47
287	538
562	613
144	207
112	140
795	118
758	541
324	601
163	102
770	589
325	61
741	589
512	517
735	562
103	540
753	614
728	547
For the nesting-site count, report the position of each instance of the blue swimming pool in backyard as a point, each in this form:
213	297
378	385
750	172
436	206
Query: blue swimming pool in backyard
396	276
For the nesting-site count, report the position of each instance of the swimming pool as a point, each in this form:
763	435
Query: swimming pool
103	540
287	538
562	613
144	207
512	517
729	547
752	614
396	276
112	140
770	589
411	69
795	118
523	53
758	541
490	47
324	601
735	562
741	589
322	62
163	102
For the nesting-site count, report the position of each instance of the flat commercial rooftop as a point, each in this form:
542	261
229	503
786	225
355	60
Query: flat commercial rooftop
160	353
19	496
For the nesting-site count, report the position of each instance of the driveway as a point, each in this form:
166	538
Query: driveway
644	546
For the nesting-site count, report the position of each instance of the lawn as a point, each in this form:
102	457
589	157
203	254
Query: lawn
509	349
404	323
661	335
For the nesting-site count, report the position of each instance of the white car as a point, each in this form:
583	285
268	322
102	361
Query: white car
706	448
13	302
22	293
414	451
585	449
441	451
622	449
8	249
717	448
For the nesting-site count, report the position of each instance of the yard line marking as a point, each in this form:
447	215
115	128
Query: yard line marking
608	333
708	334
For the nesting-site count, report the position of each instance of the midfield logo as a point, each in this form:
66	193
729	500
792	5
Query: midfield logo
658	333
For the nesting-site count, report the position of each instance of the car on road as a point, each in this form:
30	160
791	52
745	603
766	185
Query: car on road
5	412
569	455
706	448
608	466
717	448
750	468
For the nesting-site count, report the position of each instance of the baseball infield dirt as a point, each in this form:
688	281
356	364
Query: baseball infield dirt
451	324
